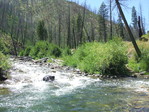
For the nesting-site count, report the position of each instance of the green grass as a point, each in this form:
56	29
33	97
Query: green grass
103	58
140	64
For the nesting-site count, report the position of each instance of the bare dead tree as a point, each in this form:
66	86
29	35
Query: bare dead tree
59	30
141	20
140	29
128	29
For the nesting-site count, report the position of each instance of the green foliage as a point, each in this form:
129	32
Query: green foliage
39	50
56	51
42	49
41	31
6	46
3	47
146	35
66	51
25	52
4	65
107	59
140	64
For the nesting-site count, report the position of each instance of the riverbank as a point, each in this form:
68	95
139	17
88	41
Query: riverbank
4	66
26	90
114	59
26	71
57	65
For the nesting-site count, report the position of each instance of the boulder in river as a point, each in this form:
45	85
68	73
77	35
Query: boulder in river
2	78
49	78
3	75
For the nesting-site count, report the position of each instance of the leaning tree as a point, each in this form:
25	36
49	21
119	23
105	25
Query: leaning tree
128	29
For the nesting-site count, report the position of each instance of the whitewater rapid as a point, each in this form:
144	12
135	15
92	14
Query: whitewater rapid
25	91
30	75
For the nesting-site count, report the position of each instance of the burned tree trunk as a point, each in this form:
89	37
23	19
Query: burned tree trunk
128	29
140	29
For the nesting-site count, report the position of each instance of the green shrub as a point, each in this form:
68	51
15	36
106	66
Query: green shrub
25	52
70	61
66	51
140	64
4	65
56	52
42	49
107	59
21	53
3	48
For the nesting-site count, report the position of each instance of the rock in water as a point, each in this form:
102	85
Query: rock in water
43	60
25	58
3	78
49	78
3	75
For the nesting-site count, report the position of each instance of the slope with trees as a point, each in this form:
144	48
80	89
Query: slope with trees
50	28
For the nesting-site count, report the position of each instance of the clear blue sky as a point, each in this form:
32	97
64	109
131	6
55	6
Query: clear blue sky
95	4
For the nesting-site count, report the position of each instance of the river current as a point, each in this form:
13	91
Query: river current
26	91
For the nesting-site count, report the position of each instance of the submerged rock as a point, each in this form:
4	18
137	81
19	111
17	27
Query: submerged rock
49	78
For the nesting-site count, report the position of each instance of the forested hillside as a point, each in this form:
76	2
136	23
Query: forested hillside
61	22
45	28
60	19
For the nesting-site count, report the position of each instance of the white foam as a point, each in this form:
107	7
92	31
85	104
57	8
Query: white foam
25	74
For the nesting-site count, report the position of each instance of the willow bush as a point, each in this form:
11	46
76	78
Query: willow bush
104	58
4	65
42	49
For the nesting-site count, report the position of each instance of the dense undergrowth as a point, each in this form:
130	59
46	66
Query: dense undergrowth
42	49
5	43
5	49
103	58
137	64
108	59
4	65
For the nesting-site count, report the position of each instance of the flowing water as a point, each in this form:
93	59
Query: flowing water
26	92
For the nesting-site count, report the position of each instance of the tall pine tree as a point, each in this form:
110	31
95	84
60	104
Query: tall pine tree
120	27
103	15
134	18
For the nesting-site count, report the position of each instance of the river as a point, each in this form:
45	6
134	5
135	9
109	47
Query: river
25	91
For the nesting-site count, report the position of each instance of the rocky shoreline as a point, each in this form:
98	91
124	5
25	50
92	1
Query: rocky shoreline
56	65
